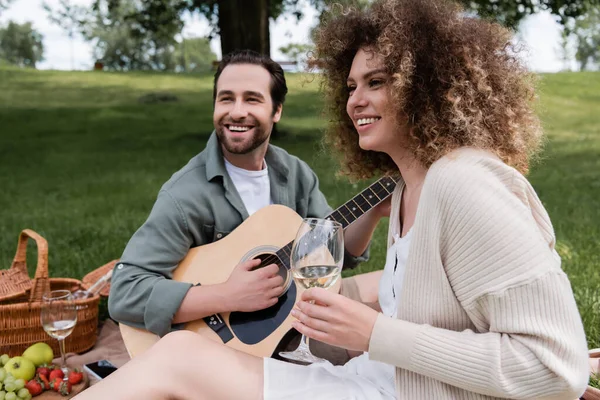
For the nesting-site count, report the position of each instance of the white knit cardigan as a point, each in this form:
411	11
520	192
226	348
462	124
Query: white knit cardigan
486	310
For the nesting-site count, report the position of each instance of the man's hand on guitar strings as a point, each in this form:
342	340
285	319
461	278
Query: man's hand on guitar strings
334	319
252	290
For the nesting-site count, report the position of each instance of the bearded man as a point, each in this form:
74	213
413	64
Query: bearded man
236	174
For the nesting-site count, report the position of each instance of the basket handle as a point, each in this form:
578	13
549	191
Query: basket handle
40	282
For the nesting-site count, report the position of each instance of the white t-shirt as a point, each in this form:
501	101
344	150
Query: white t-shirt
254	187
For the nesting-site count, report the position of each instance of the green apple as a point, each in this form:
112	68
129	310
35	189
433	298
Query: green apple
39	353
20	368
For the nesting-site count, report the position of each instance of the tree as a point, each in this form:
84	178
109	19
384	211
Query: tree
297	52
21	45
511	12
4	5
121	42
194	55
69	17
586	31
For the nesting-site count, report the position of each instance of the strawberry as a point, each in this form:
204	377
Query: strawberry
75	376
64	388
43	370
43	379
34	387
56	374
55	384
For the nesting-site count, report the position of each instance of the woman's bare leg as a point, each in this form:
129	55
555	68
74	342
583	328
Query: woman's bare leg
184	365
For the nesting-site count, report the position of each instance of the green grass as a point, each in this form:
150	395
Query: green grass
81	162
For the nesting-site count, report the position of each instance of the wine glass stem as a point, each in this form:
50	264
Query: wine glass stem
303	346
63	366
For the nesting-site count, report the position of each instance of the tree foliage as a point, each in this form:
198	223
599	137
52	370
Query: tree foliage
21	45
4	5
194	55
122	42
511	12
586	31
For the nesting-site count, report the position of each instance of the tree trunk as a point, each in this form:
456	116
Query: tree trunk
244	24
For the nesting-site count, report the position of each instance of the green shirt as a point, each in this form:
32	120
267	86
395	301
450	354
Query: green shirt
198	205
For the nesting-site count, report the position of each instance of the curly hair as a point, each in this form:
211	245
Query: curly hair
457	78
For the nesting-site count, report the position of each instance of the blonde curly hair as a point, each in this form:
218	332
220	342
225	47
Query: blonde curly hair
457	78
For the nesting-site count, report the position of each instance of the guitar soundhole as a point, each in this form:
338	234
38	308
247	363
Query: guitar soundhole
269	258
253	327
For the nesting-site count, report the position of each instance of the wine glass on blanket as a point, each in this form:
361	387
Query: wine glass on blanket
59	316
316	261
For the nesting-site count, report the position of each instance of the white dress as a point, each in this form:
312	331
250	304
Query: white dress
358	379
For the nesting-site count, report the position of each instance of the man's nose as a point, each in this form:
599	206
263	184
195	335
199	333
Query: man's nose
238	111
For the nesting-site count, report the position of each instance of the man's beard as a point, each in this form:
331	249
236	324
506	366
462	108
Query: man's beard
244	146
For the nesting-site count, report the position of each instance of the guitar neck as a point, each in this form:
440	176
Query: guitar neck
357	206
353	209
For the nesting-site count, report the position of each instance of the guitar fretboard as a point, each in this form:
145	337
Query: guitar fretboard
352	210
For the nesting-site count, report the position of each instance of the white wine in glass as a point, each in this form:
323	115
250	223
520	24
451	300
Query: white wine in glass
322	276
59	316
316	261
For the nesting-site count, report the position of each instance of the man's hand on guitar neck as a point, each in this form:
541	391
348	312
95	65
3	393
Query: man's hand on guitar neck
245	290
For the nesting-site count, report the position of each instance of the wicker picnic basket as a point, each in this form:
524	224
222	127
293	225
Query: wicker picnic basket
21	303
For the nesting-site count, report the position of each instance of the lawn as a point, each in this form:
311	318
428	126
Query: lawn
81	162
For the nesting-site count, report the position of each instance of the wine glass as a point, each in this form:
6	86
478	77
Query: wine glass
59	316
316	261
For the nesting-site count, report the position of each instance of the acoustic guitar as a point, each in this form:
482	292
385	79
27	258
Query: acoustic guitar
267	234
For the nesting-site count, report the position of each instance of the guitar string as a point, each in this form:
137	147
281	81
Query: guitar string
381	192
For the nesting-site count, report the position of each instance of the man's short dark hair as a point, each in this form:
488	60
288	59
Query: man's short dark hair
278	84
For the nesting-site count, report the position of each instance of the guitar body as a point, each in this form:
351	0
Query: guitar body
257	333
268	235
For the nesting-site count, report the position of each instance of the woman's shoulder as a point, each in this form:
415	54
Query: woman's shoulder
471	168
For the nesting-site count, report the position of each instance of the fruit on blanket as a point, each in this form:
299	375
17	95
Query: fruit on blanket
75	377
56	374
39	353
43	370
10	386
44	382
60	386
35	387
20	368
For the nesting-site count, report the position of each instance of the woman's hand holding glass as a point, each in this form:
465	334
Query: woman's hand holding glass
334	319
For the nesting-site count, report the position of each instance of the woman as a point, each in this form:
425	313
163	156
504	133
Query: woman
474	302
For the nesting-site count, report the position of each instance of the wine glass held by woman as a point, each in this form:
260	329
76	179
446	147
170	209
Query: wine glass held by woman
474	303
316	260
58	317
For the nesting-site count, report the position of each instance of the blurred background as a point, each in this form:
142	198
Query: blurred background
102	100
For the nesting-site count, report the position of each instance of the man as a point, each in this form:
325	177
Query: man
236	174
